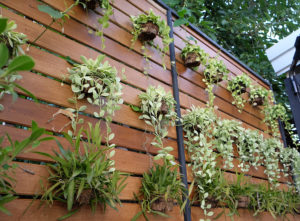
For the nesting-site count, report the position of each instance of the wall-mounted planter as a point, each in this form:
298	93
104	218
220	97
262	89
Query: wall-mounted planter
215	78
149	32
258	101
91	4
192	60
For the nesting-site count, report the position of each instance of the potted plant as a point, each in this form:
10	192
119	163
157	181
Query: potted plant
161	189
193	55
84	175
13	40
215	71
98	83
8	154
146	27
157	107
258	96
237	86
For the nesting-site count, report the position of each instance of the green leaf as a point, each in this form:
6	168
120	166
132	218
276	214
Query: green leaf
68	214
50	11
70	196
20	63
180	21
135	108
3	24
4	54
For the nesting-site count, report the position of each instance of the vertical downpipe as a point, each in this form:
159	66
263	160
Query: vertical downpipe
179	130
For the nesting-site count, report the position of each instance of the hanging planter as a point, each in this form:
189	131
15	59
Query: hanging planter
145	28
193	56
258	96
237	86
149	31
91	4
215	71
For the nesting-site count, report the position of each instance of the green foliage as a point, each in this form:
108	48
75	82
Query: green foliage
98	83
225	132
13	40
157	109
163	31
9	64
214	72
161	188
202	55
260	92
237	86
249	148
244	28
84	174
7	155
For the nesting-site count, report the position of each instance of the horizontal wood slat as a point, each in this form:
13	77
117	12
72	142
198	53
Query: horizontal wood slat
125	213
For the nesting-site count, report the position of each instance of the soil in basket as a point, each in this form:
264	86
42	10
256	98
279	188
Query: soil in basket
192	60
162	205
215	79
149	32
243	201
85	196
259	101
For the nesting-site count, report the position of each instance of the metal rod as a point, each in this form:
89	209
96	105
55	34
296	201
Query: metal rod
202	34
179	130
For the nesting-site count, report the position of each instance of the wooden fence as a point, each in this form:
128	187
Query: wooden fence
133	137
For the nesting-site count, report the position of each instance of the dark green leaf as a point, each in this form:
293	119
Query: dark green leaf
4	54
21	63
3	24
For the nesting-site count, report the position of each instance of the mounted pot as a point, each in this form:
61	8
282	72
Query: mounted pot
162	205
149	32
258	101
216	78
191	60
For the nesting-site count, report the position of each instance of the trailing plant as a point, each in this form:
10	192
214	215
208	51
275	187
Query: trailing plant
288	157
162	185
84	174
11	39
9	68
271	159
225	133
158	26
98	83
158	111
214	72
260	96
104	20
237	86
7	154
198	126
249	149
193	55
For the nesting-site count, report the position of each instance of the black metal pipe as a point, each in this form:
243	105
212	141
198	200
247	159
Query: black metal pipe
202	34
179	130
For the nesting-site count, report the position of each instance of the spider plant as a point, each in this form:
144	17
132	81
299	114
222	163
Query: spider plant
84	174
161	188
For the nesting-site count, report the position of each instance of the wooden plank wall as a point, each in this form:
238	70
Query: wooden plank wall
133	137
